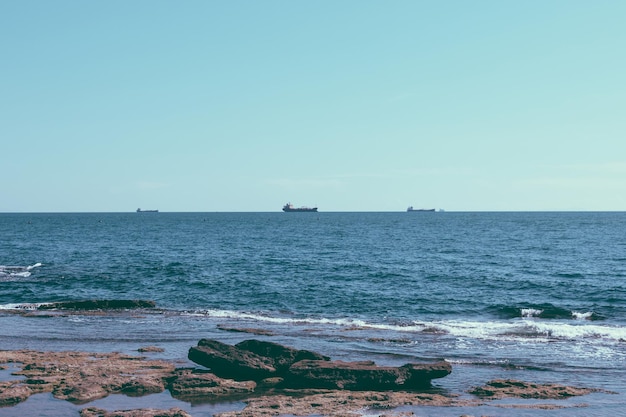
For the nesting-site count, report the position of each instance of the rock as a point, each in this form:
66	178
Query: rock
339	404
80	377
227	361
360	376
150	349
13	392
98	305
282	356
258	332
142	412
502	388
195	383
259	360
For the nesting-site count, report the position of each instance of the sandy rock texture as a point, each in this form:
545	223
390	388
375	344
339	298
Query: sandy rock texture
510	388
337	404
81	377
143	412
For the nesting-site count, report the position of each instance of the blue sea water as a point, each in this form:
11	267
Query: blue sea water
538	296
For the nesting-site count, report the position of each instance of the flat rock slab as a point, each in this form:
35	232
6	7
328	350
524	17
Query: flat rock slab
196	383
365	376
510	388
81	377
338	404
141	412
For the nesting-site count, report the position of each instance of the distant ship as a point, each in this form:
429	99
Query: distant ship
413	209
147	211
289	207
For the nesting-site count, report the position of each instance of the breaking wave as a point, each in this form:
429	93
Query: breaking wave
82	305
511	329
543	311
17	271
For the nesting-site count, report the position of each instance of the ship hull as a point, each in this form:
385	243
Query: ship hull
301	209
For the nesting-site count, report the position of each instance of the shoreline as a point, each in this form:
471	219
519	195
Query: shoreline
102	384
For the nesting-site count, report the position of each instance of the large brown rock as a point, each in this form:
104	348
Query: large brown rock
258	360
282	356
227	361
362	376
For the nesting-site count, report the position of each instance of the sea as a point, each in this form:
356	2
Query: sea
533	296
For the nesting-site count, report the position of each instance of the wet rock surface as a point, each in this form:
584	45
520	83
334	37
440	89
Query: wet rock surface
259	360
145	412
80	377
279	380
510	388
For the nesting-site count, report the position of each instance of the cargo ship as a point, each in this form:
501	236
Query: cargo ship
414	209
289	208
147	211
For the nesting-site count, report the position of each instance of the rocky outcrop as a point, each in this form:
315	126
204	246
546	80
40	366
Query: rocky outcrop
228	361
295	387
360	376
341	404
503	388
81	377
258	361
195	383
97	305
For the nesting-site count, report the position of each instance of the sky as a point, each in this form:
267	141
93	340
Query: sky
347	105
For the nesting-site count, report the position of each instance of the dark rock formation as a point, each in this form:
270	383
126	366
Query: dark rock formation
282	356
360	376
188	383
227	361
97	305
258	360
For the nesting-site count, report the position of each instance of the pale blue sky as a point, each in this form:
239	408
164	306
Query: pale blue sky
350	105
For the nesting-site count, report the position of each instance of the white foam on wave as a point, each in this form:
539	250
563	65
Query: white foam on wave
519	329
22	306
531	312
340	322
18	271
586	331
532	330
582	316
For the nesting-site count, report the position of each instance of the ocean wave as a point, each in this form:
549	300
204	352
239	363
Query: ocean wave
542	311
531	330
82	305
517	329
17	271
344	323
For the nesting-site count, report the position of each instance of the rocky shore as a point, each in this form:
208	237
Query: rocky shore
271	379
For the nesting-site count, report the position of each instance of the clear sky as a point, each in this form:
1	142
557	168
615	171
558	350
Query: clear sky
350	105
